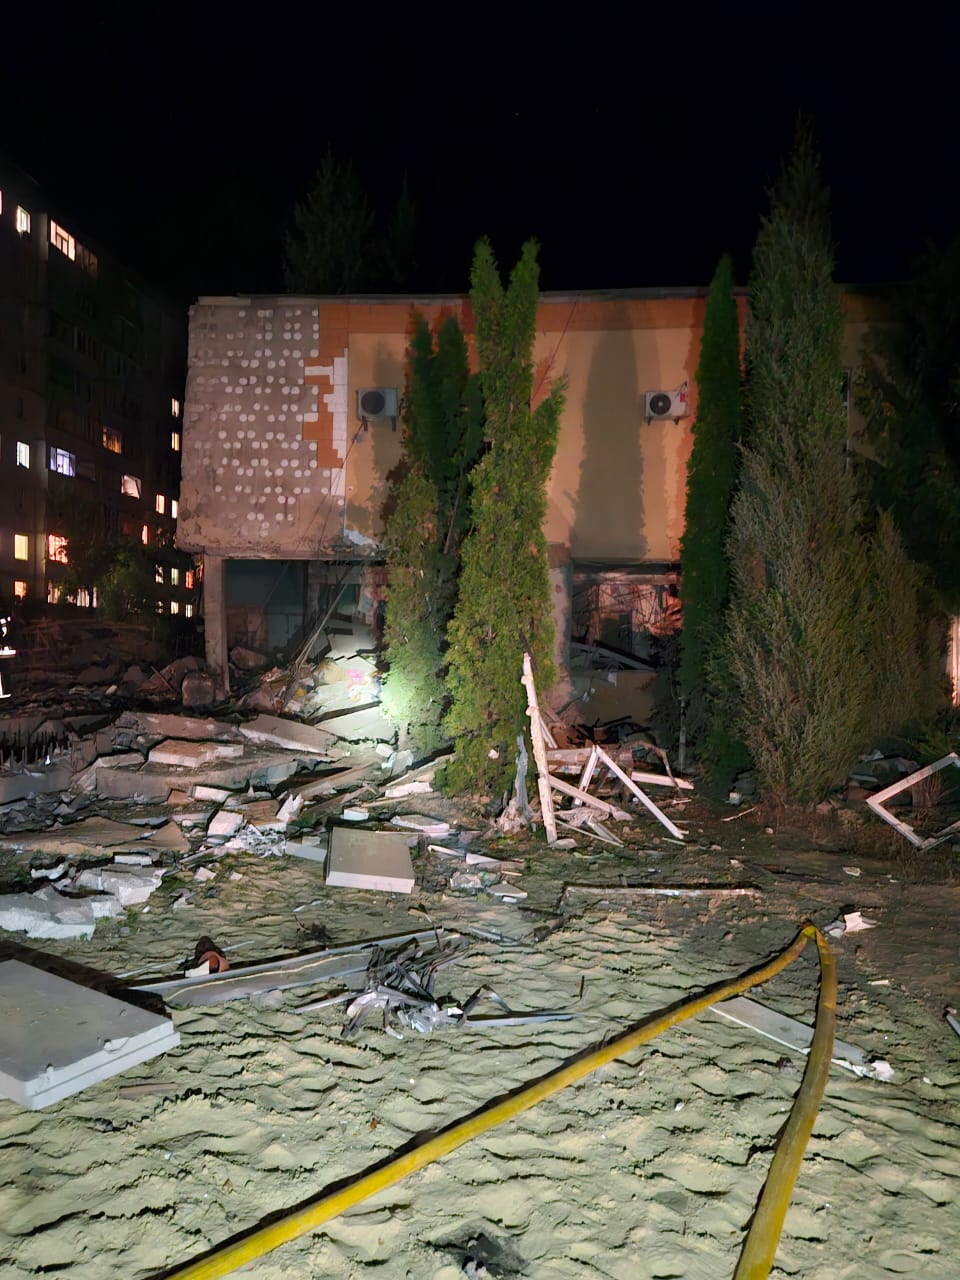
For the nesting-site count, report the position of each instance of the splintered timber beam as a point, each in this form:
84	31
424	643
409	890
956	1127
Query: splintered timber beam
539	752
568	789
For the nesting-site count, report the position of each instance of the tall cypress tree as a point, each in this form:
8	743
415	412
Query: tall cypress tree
503	607
711	478
809	645
424	529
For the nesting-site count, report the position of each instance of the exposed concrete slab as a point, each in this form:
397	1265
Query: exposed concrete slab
129	885
49	914
155	782
224	824
364	724
292	736
60	1037
378	860
158	725
191	755
309	848
88	836
36	782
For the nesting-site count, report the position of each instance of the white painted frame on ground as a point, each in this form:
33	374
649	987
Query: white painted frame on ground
877	802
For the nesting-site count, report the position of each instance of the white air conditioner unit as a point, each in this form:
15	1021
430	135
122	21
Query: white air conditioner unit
659	405
374	404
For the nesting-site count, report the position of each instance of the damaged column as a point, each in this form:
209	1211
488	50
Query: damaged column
215	619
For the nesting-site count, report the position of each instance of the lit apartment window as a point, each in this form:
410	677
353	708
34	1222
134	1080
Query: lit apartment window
130	485
174	606
145	535
63	462
174	577
188	579
62	240
174	508
21	546
82	598
1	202
23	454
175	406
54	592
23	221
161	504
19	590
188	610
158	574
175	441
159	606
112	440
57	548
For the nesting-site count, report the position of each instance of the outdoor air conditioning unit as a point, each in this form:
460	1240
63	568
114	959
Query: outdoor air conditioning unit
376	404
659	405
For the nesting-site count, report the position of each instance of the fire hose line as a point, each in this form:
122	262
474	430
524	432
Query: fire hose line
761	1242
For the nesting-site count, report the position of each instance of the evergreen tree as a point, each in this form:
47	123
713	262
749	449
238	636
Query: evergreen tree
336	246
425	526
809	645
503	607
910	394
711	478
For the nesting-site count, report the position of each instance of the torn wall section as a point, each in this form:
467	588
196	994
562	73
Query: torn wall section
265	431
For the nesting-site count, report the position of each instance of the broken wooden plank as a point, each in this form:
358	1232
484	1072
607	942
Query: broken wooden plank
539	751
568	789
589	769
640	795
660	780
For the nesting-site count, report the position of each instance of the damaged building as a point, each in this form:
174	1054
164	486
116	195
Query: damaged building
293	424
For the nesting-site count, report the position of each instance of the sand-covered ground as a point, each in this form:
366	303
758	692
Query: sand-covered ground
648	1169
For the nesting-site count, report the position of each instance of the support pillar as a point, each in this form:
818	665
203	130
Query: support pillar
215	620
561	598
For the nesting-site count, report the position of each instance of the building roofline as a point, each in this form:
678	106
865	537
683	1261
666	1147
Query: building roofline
646	294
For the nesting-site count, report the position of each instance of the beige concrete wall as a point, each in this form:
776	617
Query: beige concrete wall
262	476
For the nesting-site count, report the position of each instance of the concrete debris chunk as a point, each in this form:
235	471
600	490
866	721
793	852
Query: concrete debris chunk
378	860
60	1037
131	886
292	736
156	725
49	914
224	824
217	794
191	755
311	849
421	822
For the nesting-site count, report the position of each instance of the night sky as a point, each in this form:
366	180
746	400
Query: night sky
636	153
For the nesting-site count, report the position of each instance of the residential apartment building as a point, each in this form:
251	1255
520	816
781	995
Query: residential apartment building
91	391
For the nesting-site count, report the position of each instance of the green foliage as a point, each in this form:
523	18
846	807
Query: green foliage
503	607
711	478
824	645
425	525
910	395
335	246
129	585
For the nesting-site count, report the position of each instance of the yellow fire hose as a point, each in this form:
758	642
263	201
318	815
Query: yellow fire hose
761	1242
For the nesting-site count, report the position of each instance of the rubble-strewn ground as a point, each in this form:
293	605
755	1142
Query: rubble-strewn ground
650	1168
